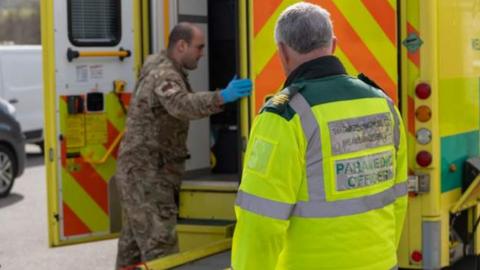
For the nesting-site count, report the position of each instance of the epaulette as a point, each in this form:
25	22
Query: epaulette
280	100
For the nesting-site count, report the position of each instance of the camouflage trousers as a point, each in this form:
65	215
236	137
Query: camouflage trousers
149	213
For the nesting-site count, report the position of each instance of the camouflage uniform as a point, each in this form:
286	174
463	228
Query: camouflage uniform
151	159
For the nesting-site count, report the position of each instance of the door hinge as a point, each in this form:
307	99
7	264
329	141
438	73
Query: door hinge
419	183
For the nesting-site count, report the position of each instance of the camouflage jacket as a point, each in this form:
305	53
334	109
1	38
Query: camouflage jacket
158	117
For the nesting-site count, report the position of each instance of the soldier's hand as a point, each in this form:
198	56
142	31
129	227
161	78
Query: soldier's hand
236	89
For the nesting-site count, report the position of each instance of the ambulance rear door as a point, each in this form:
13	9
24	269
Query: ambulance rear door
92	52
366	33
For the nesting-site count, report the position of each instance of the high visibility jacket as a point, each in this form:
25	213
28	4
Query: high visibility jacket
324	180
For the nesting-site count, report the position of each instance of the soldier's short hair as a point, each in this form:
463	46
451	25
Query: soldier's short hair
181	31
304	27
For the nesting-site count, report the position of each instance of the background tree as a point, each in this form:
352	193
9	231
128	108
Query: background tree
19	22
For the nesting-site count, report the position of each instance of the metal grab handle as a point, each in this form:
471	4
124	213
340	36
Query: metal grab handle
109	151
121	54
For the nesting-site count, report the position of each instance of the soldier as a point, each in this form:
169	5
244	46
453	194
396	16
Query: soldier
153	150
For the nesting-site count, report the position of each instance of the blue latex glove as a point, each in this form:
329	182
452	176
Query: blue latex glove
236	89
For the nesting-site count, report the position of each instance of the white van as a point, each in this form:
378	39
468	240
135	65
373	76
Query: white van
21	84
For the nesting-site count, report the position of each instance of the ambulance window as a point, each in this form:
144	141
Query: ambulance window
94	22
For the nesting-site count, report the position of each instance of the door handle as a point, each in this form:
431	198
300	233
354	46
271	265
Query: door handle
13	101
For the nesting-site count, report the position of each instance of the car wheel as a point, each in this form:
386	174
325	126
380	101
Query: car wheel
7	170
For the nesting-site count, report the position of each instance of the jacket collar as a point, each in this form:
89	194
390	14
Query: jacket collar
315	69
177	66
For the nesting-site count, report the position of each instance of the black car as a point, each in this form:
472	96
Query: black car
12	148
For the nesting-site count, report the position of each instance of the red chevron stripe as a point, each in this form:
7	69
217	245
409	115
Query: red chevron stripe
269	80
262	12
63	152
385	16
126	98
92	183
411	115
72	225
359	54
414	57
112	135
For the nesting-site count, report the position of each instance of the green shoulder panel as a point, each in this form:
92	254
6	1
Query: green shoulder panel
338	88
279	103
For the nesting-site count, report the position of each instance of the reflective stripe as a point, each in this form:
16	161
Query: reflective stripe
317	209
311	130
401	189
264	207
317	206
393	268
396	126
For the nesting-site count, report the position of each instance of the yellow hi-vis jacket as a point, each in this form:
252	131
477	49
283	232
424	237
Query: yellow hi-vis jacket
324	180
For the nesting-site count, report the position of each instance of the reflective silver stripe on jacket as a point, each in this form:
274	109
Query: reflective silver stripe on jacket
264	207
317	206
314	158
350	206
319	209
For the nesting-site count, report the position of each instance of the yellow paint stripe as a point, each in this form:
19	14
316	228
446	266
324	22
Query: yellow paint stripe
411	144
393	3
83	205
464	91
371	34
412	75
145	17
96	153
50	128
63	112
264	43
346	62
166	22
115	113
413	8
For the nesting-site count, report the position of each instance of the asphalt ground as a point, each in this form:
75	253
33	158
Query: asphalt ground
24	232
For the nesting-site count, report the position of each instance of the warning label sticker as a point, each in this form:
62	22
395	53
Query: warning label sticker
357	134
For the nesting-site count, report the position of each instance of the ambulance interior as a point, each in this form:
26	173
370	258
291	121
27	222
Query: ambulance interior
214	142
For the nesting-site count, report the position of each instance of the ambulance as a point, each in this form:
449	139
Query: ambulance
425	54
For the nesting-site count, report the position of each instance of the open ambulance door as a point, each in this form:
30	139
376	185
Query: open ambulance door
92	51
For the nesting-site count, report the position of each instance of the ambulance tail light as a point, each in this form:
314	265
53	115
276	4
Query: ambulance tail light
423	136
416	256
423	113
424	158
423	90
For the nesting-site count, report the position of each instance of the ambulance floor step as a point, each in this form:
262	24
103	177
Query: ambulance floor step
208	200
194	233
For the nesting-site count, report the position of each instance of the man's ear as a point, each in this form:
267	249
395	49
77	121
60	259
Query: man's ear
182	46
284	57
334	44
282	49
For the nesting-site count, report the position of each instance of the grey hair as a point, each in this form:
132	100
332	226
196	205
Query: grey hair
304	27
